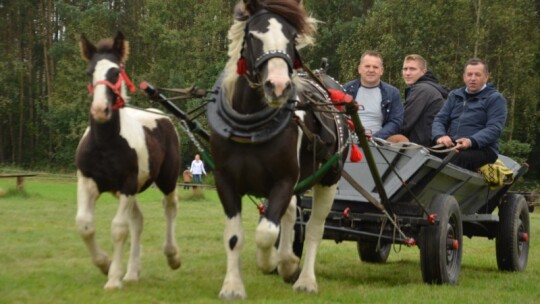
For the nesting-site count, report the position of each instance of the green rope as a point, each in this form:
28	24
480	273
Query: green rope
310	180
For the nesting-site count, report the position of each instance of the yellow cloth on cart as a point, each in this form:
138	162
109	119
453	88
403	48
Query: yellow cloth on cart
497	174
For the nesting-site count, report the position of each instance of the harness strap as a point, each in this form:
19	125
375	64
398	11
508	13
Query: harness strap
122	77
319	147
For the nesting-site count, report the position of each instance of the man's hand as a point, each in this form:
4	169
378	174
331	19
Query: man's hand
465	143
446	141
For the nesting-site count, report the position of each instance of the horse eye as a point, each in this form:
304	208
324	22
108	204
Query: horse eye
112	74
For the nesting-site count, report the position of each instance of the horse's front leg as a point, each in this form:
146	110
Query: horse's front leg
267	231
135	230
87	194
288	262
322	203
233	238
119	234
170	206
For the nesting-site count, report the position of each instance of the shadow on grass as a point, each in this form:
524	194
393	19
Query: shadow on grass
14	193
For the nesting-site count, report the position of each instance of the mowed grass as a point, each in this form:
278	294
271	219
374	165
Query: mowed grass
43	259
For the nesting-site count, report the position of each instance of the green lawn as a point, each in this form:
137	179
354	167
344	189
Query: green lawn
43	260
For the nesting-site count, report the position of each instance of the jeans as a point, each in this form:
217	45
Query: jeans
197	178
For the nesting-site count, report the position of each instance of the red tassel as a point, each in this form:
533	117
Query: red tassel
336	95
297	64
260	207
356	155
241	66
350	123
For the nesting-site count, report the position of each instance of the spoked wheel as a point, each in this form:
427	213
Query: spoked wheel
442	245
512	243
368	252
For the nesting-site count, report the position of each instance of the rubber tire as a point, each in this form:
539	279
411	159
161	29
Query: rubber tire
367	251
512	254
440	265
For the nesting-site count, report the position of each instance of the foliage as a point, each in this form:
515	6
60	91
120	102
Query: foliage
43	101
516	150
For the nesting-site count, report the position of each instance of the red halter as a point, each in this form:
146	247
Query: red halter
123	77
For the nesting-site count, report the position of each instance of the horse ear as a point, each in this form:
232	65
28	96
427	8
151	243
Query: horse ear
121	47
240	11
251	6
87	48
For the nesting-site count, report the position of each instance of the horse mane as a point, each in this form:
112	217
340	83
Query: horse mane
291	10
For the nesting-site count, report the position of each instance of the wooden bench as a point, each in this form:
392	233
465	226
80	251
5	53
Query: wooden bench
19	177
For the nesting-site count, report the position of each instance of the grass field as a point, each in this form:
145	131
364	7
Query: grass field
43	260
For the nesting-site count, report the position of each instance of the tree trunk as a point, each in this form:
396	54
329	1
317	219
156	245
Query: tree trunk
478	7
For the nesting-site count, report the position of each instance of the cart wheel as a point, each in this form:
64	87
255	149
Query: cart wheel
368	252
512	242
442	248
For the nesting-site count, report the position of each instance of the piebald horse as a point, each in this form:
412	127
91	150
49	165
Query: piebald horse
266	138
123	151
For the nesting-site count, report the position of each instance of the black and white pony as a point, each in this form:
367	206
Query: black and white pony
264	145
123	151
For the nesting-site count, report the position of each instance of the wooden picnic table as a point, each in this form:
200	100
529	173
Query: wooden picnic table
19	177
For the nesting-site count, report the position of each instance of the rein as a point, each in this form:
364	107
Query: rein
122	77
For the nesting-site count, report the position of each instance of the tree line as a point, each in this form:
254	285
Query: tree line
44	102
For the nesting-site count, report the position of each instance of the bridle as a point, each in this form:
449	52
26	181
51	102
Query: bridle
249	67
122	77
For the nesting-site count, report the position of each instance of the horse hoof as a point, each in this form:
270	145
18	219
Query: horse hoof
131	277
174	262
292	278
289	269
103	264
232	290
232	295
112	285
266	260
306	286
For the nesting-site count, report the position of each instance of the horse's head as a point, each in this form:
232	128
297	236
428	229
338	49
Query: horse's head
267	53
107	77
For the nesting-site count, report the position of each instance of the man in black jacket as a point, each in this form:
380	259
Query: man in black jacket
424	97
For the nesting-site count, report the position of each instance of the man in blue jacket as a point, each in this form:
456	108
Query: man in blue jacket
472	119
379	104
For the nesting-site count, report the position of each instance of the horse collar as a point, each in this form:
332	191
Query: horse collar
253	128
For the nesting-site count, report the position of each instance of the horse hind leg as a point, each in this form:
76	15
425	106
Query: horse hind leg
233	239
288	262
135	230
322	202
119	234
87	195
170	248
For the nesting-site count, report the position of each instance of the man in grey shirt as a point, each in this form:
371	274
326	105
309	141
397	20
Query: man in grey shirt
379	103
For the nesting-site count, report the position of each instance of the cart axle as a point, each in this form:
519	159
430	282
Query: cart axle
452	244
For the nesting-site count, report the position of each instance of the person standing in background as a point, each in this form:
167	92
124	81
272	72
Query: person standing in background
186	176
197	169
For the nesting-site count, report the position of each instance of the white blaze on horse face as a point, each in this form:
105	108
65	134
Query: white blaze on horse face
99	109
278	70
